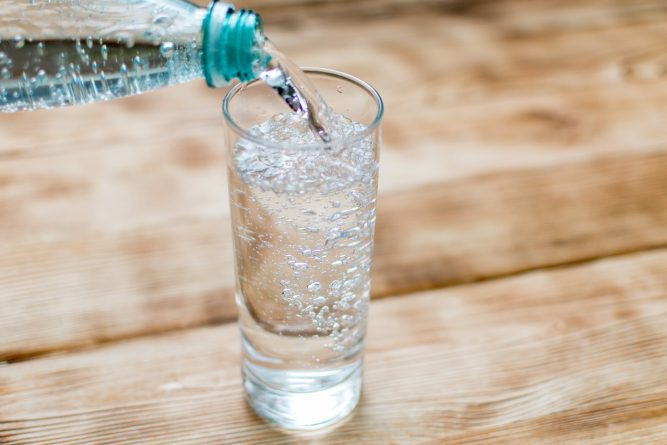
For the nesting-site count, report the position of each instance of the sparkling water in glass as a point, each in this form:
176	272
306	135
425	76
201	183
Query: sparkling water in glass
303	218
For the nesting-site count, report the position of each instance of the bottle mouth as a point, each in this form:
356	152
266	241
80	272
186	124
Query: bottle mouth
232	45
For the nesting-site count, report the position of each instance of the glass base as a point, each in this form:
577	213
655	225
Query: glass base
303	400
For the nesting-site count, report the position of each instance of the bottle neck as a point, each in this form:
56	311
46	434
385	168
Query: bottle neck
232	45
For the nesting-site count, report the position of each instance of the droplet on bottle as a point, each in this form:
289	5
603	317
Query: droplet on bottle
314	286
40	49
162	20
155	34
125	38
104	52
124	76
19	41
167	49
5	73
3	58
89	41
41	75
93	66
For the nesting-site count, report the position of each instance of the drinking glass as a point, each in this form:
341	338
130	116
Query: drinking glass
303	219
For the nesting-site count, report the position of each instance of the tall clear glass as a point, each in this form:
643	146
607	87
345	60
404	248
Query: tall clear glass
303	219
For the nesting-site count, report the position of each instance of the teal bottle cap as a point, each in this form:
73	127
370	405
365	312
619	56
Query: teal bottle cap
232	45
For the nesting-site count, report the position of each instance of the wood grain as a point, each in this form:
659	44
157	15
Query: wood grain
72	293
531	133
573	355
523	141
505	223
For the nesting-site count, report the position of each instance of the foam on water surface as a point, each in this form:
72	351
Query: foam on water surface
297	164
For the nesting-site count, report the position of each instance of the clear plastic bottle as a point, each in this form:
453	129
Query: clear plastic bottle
62	52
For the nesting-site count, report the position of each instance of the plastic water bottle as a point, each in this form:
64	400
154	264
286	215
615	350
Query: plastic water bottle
62	52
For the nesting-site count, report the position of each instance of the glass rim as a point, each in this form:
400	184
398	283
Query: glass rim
316	146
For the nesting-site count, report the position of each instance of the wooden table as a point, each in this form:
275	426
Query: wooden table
521	238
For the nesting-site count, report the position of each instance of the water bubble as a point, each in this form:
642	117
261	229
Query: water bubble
323	312
300	267
125	77
319	301
19	41
93	66
40	49
167	49
5	73
41	75
89	41
332	236
3	58
314	286
104	52
351	283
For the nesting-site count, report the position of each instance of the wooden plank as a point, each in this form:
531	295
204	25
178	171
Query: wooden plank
498	224
74	292
477	58
114	188
576	101
573	355
507	103
102	288
115	185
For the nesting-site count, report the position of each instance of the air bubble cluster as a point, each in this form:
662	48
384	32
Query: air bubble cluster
42	74
283	156
311	212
